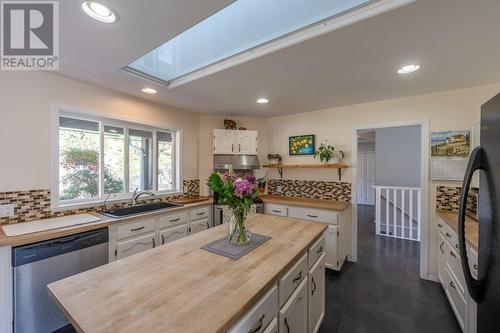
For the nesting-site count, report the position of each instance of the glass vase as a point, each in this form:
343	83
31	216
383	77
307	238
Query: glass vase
237	233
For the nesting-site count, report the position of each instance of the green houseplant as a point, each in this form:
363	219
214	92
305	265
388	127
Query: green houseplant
327	152
274	158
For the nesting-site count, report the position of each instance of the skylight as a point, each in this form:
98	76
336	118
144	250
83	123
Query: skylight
243	25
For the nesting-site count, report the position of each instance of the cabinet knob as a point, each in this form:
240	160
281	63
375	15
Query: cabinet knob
259	325
313	289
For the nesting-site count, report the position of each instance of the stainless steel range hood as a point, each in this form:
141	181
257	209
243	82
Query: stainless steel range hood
239	162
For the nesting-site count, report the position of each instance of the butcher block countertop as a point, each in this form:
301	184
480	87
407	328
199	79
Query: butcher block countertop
104	222
471	226
177	287
305	202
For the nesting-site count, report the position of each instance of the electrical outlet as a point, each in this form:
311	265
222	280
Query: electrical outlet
279	188
7	210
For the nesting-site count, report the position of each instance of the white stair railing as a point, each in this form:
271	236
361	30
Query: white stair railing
398	211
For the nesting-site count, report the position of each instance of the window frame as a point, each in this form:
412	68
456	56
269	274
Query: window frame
115	121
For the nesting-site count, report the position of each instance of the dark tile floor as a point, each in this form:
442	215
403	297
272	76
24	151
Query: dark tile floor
382	292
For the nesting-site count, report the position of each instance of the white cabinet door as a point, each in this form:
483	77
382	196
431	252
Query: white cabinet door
316	295
172	234
247	142
442	260
135	245
293	315
224	141
332	245
198	226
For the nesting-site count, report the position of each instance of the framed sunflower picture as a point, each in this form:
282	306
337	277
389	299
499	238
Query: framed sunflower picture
301	145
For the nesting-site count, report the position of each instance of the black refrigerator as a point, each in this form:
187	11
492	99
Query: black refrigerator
486	160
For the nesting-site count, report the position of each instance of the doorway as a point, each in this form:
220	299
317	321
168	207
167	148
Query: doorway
393	174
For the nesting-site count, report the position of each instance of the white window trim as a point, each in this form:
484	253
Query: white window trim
104	118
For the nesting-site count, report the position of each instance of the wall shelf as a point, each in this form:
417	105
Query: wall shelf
280	167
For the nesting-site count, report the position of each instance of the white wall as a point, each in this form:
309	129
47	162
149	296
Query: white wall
26	99
454	109
397	156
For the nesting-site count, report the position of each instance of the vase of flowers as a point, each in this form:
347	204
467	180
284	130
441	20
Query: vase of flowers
238	194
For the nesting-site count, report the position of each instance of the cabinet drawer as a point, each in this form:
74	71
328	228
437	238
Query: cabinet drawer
289	282
169	235
274	209
293	315
272	327
135	228
451	236
316	251
456	299
319	215
455	267
135	245
169	220
258	318
199	226
200	213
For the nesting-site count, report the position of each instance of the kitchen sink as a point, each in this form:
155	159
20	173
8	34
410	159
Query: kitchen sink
138	209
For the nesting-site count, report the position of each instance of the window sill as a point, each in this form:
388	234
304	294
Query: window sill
98	203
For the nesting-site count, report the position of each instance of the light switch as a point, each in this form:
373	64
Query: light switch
7	210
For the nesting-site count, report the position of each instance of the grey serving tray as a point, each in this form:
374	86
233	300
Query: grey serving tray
224	248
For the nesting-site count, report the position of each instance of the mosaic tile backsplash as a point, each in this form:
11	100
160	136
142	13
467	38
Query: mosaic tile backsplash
340	191
33	205
448	198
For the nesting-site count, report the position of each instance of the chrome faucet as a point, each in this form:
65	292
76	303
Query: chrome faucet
137	195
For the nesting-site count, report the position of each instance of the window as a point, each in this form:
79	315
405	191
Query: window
100	157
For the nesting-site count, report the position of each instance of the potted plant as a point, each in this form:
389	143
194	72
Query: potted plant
238	194
328	153
275	158
261	185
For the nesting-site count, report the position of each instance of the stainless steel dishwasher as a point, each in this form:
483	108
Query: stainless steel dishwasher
36	265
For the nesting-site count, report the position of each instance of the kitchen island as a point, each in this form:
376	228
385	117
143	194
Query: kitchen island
179	287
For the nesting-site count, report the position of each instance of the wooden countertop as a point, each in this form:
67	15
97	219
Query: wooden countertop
305	202
177	287
471	226
103	223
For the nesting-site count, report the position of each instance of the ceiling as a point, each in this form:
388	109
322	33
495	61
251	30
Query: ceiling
455	42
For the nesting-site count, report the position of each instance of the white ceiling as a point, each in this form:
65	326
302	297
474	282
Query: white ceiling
455	42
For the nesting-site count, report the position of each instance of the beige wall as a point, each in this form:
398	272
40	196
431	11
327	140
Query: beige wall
208	123
25	123
457	109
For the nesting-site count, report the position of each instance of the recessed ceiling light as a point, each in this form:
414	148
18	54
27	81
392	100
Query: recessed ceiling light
408	69
262	100
148	90
99	11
